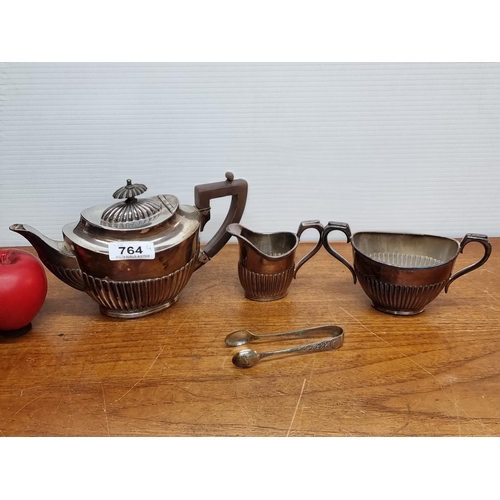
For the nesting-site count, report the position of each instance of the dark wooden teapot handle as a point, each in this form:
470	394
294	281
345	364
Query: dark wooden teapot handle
203	193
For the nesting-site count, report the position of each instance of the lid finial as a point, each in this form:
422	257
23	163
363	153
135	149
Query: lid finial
131	211
130	190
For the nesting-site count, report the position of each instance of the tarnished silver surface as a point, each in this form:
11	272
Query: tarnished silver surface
133	299
122	213
266	264
402	273
265	287
248	357
241	337
131	287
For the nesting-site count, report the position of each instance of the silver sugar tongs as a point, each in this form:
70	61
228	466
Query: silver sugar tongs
248	357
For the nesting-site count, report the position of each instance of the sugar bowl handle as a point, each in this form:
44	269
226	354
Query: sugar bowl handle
469	238
343	227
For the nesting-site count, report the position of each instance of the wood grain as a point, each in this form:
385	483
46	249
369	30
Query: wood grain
79	373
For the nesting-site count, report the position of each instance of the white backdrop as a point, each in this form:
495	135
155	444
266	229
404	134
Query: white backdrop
390	146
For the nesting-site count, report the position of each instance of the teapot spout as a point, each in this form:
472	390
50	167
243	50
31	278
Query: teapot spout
55	255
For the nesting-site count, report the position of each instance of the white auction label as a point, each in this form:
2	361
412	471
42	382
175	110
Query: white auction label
131	250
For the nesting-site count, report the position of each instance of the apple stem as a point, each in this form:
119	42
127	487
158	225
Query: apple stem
5	259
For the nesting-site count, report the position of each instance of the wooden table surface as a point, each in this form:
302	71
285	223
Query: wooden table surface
79	373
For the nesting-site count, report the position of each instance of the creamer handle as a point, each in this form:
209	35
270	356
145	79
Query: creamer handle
303	226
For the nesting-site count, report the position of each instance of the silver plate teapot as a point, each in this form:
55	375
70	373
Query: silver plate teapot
135	256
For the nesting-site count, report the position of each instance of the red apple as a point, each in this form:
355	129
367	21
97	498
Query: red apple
23	288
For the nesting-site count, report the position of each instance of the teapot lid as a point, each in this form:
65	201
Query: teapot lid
132	213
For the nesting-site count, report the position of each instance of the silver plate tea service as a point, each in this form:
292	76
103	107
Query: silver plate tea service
135	256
